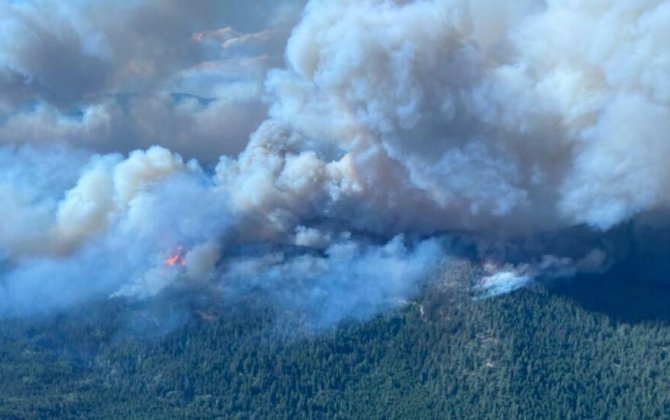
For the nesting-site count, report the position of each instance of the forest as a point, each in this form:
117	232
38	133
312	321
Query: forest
587	348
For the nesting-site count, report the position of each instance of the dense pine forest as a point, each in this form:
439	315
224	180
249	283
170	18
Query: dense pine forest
589	348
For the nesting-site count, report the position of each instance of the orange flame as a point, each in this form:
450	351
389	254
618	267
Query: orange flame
176	258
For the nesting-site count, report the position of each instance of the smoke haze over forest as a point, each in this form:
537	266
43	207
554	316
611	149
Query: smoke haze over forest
333	155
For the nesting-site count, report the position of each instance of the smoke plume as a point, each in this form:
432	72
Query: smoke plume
534	131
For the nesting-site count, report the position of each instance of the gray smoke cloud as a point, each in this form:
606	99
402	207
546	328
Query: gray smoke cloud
388	128
110	77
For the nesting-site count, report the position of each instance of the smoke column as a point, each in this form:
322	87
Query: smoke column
387	128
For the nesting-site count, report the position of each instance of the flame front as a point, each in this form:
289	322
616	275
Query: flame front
176	258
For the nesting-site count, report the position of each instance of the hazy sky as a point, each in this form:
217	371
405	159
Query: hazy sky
116	76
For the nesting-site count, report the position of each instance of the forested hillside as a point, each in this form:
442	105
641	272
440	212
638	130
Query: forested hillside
596	348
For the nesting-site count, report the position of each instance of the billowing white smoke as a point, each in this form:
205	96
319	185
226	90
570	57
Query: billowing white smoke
112	232
391	118
551	113
498	280
349	280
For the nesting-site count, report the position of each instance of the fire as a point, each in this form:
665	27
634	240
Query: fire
176	258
